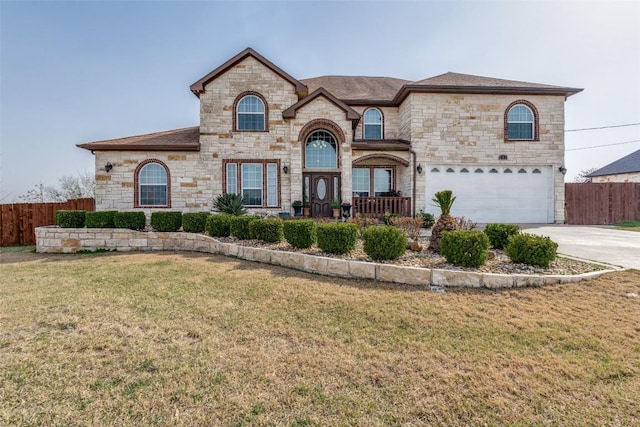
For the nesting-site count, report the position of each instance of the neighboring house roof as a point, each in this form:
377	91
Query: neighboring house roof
627	164
290	112
185	139
198	87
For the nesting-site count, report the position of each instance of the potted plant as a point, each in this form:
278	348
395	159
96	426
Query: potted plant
335	206
306	205
346	209
297	208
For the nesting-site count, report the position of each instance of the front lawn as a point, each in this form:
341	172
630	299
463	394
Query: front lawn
198	339
628	225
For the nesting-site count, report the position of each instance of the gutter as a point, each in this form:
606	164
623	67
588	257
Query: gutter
413	198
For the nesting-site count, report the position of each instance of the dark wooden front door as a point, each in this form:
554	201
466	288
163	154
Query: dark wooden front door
323	188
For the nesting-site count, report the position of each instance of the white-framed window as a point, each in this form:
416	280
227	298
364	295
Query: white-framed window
360	182
372	124
258	181
320	150
250	114
520	123
362	179
152	186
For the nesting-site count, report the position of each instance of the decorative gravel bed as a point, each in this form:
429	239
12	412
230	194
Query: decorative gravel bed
498	262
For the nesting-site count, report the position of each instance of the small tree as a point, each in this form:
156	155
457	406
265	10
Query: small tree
444	200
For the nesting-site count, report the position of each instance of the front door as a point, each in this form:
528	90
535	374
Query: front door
322	189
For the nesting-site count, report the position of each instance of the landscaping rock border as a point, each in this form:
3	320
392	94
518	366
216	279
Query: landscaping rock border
52	239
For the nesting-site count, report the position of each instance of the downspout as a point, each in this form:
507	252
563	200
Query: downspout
413	202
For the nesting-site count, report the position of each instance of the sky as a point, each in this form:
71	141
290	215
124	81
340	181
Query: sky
79	71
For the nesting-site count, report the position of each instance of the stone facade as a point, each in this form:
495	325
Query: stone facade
623	177
446	128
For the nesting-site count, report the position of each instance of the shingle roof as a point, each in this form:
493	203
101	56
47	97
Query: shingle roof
185	139
357	87
627	164
468	80
290	112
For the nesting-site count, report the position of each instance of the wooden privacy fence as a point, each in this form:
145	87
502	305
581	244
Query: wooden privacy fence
18	221
602	203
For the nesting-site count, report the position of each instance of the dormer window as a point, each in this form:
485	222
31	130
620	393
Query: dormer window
372	124
251	114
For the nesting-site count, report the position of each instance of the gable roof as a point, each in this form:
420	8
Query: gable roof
198	87
627	164
185	139
291	112
356	88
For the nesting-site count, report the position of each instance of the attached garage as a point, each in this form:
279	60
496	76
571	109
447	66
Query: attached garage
494	194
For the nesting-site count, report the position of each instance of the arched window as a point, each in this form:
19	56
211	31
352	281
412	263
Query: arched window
372	124
152	185
321	150
250	114
520	121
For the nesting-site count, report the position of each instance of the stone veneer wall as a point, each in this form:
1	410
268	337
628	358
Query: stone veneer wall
623	177
52	239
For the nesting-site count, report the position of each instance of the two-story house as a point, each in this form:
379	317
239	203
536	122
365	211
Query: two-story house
383	144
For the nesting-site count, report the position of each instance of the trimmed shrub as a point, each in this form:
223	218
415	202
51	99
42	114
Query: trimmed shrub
268	230
133	220
530	249
465	248
384	242
218	225
427	219
166	221
337	237
99	219
194	222
300	233
70	219
229	203
239	226
499	234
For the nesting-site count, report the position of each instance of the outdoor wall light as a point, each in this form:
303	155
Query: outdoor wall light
419	169
108	167
562	170
285	169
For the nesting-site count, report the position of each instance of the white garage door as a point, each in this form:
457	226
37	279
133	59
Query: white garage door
494	194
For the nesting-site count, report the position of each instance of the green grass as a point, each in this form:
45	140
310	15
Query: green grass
628	225
194	339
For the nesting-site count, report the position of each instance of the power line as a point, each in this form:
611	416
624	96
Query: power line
603	127
605	145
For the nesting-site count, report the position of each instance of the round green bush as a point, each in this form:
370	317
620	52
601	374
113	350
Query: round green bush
300	233
194	222
427	219
530	249
499	234
239	226
166	221
337	237
70	219
384	242
268	230
99	219
219	225
465	248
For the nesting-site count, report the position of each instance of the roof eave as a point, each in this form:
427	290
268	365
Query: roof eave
139	147
488	90
351	114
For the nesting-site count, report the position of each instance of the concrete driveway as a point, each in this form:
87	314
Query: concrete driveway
597	243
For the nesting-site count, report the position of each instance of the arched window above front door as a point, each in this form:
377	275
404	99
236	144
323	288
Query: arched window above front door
321	150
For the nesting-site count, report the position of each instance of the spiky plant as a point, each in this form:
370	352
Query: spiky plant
229	203
444	200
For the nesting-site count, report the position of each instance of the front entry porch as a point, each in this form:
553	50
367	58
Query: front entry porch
376	207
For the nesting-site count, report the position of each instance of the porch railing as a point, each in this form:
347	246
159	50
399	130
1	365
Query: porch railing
377	206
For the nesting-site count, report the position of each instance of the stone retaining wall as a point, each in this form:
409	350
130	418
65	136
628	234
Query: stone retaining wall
52	239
